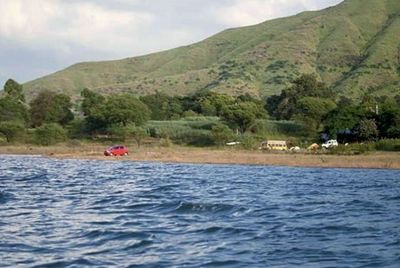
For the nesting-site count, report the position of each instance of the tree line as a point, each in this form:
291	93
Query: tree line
52	117
119	115
321	111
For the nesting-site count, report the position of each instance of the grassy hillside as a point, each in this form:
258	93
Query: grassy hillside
354	47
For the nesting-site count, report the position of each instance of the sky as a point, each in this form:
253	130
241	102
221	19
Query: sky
39	37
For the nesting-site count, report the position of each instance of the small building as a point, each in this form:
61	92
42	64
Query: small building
274	145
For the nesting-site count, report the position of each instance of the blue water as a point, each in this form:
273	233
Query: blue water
74	213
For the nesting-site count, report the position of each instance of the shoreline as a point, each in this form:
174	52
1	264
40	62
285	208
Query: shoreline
229	156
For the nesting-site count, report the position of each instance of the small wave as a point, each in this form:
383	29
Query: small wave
114	235
229	263
5	197
392	198
137	245
188	207
224	230
75	263
38	177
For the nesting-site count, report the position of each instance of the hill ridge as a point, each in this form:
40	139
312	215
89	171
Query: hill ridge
351	46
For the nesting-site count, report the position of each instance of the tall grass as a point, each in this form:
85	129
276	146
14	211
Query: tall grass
194	131
389	145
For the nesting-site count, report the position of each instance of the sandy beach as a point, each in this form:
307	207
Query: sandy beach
176	154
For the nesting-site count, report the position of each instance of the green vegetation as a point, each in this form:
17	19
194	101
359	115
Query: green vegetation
222	134
14	90
49	107
313	112
49	134
352	47
12	131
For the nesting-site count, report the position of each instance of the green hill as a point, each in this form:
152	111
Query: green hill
354	47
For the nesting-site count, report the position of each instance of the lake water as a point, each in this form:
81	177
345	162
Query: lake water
74	213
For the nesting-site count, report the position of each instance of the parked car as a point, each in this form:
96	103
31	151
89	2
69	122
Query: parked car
116	150
330	144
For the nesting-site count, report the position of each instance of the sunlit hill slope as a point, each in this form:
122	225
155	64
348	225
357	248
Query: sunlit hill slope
353	47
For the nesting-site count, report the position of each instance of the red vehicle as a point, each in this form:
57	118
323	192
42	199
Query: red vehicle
116	150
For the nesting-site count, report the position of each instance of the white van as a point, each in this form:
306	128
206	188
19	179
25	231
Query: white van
330	144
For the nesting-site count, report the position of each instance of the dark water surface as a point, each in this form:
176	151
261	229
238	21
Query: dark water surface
74	213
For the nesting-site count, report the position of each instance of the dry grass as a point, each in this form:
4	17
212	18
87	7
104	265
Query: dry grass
177	154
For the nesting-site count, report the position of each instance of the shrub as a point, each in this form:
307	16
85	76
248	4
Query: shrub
248	142
221	134
50	134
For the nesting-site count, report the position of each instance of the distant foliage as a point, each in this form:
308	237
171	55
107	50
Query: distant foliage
283	106
222	134
242	115
50	134
311	110
125	109
213	104
50	107
12	131
371	119
13	110
93	107
162	106
14	90
367	130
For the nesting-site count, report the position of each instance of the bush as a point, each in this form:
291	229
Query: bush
249	142
221	134
12	131
50	134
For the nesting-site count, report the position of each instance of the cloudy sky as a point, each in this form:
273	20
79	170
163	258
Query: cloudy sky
38	37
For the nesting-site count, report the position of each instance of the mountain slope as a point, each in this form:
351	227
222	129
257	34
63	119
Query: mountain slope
354	47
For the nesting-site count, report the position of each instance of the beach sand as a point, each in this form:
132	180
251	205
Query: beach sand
176	154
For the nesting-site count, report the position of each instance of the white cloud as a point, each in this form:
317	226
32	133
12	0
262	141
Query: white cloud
62	24
248	12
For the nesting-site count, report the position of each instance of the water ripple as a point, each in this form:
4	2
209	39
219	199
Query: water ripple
70	213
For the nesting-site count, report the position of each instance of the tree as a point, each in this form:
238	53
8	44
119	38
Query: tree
13	110
12	131
311	110
162	106
92	102
93	107
241	115
14	90
388	120
213	104
283	106
222	134
343	118
49	107
125	109
367	130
